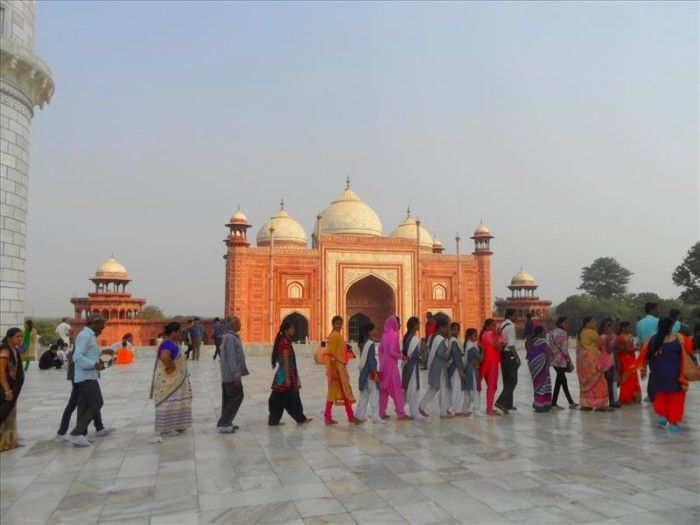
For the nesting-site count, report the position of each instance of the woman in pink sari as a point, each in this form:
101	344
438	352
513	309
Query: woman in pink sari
389	355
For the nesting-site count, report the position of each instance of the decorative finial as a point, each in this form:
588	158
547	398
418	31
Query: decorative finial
347	182
238	207
408	211
282	204
481	220
112	255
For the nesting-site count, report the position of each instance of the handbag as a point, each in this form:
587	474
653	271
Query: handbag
606	360
691	371
569	365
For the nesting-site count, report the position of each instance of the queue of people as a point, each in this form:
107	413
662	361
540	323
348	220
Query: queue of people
609	363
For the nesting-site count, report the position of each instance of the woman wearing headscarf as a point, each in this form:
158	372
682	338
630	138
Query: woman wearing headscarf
286	384
389	356
11	380
590	367
170	386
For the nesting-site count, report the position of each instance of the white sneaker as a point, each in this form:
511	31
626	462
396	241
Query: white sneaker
78	441
60	438
106	431
226	430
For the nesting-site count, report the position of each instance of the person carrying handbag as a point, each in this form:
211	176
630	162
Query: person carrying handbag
558	341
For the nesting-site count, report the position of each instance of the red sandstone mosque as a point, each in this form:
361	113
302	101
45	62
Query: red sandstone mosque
351	269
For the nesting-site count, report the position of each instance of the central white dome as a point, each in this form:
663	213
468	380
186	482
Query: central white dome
350	215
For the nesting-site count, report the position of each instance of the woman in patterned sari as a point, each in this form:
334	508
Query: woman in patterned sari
539	355
11	380
170	388
593	387
630	390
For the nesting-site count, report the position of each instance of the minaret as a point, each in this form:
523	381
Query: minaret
25	82
482	250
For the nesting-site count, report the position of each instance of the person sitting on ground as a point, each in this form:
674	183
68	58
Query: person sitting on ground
50	359
124	350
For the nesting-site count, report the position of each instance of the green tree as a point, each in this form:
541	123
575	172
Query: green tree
46	329
151	311
605	278
576	307
687	275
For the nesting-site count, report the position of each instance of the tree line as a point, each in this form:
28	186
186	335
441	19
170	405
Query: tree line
604	286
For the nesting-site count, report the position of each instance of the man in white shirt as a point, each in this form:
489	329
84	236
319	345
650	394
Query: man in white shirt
510	362
63	331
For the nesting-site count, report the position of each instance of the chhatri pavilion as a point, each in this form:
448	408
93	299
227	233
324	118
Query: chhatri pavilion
349	268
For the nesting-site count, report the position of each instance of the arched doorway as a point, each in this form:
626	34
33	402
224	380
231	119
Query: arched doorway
300	324
355	324
372	298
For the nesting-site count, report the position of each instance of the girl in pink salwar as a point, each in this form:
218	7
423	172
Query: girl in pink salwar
389	355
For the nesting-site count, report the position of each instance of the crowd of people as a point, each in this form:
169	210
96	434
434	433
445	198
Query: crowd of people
609	363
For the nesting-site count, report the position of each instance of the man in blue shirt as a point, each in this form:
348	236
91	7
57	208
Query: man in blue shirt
649	324
647	327
218	333
87	362
197	334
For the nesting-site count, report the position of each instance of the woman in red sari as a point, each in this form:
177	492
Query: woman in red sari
630	390
492	360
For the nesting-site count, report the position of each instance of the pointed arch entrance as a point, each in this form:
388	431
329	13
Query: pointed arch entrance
300	324
372	298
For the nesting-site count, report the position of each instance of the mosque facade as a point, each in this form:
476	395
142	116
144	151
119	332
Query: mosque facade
348	267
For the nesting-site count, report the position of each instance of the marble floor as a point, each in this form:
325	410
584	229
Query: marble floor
565	467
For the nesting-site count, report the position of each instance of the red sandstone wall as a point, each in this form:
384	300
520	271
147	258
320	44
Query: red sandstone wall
248	278
144	331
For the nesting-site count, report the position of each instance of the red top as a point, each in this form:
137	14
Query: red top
492	355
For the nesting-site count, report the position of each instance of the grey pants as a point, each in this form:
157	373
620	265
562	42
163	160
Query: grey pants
89	404
231	399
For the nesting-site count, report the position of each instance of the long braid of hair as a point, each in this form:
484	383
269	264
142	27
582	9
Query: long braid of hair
665	328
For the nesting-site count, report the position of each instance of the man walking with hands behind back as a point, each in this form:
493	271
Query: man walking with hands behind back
510	362
233	368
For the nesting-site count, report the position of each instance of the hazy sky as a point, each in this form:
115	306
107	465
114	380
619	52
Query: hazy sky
572	129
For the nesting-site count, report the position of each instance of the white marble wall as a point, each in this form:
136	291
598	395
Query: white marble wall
16	112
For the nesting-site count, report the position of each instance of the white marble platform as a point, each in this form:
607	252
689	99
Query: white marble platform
565	467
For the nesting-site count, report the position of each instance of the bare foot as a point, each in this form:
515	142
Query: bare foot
331	422
423	412
447	416
359	421
404	418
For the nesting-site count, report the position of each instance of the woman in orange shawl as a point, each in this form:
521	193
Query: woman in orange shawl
630	390
593	388
339	389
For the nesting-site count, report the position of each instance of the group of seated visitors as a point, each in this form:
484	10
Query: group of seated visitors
57	353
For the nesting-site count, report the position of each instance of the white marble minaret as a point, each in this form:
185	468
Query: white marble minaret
25	83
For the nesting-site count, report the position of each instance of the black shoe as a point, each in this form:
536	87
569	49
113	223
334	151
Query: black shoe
513	408
501	407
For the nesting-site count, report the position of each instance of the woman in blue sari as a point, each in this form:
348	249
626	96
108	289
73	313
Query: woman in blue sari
170	386
539	356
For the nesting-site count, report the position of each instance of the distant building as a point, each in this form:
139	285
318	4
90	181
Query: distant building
351	269
523	299
121	311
